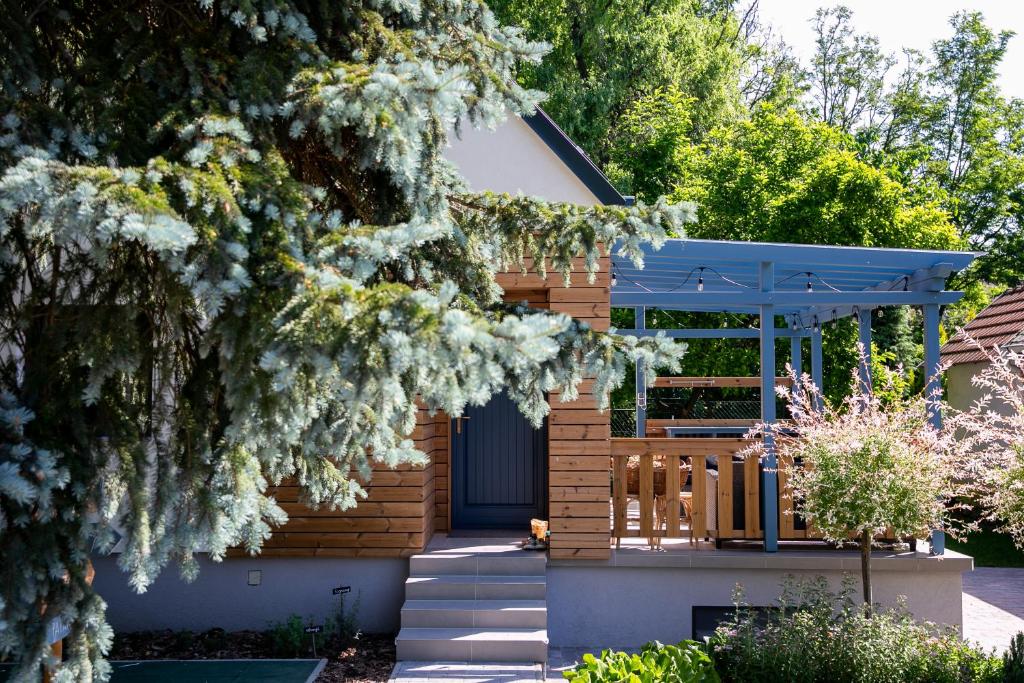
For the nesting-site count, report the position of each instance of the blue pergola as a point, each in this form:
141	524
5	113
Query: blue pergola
808	285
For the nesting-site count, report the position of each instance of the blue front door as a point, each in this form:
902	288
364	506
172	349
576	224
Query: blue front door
499	472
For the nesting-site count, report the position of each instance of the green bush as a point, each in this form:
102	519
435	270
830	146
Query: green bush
1013	660
686	662
815	635
288	638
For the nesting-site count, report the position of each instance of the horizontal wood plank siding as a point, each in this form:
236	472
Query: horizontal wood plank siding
406	505
579	446
396	519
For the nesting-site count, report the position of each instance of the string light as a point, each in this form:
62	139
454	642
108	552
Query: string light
816	328
615	278
835	318
810	288
700	280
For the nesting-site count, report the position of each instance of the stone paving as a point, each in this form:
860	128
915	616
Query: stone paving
993	606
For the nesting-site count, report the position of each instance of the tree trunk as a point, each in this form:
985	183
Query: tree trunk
865	568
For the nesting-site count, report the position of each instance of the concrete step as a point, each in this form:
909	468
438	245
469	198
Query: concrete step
471	587
519	563
472	645
480	613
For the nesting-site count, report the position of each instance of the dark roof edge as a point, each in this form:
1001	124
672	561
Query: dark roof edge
575	158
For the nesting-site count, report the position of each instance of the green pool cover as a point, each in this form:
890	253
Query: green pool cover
210	671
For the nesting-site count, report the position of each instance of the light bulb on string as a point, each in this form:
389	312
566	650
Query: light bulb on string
816	328
700	280
810	288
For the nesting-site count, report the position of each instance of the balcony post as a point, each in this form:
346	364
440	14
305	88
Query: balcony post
640	322
817	374
769	468
864	330
933	389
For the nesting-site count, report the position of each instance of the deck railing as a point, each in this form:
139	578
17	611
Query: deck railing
664	487
702	489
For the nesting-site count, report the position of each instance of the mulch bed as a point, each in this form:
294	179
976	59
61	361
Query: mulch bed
367	659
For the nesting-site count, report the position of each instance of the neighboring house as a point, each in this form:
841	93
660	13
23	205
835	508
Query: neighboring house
1000	325
409	550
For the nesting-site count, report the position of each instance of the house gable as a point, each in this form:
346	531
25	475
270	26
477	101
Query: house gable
530	156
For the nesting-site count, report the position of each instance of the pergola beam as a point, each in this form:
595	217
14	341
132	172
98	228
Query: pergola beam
715	333
790	300
922	280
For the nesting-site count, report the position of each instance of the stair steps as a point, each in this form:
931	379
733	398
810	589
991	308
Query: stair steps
474	600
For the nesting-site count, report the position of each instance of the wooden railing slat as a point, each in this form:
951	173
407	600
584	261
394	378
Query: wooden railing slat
619	500
752	504
672	489
698	482
647	496
725	496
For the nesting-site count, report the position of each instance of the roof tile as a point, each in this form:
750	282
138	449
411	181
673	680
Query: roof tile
996	325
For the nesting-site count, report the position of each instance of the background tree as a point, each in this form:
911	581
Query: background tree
605	55
847	73
231	252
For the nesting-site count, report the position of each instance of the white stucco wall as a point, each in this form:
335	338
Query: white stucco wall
221	596
960	393
627	606
513	159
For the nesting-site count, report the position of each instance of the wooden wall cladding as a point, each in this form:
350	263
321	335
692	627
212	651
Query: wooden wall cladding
405	506
395	520
579	449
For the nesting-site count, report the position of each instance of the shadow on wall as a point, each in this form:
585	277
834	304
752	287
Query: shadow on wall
249	594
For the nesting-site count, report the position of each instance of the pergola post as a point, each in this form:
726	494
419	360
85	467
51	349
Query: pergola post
795	353
817	372
640	322
769	470
932	392
864	331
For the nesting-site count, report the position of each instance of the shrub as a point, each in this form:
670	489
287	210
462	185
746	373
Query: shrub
814	635
873	464
288	638
686	662
1013	660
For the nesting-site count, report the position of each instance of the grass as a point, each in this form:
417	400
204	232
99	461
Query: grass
989	549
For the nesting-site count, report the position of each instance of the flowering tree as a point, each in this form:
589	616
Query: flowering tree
232	251
993	435
867	467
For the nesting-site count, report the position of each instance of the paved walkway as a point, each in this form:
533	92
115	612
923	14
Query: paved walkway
993	606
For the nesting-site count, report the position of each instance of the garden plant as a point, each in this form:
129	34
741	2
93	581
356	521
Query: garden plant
873	465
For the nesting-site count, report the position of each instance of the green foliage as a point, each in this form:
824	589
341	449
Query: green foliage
1013	660
288	638
778	177
686	662
816	636
606	55
650	143
345	623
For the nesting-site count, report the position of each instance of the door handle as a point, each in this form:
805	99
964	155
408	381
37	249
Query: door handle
458	424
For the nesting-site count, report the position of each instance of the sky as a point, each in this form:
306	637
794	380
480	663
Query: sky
904	23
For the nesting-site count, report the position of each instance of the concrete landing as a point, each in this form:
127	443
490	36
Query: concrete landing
466	672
